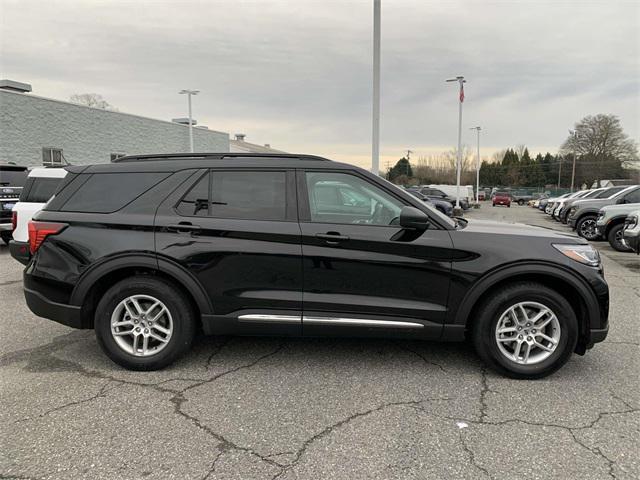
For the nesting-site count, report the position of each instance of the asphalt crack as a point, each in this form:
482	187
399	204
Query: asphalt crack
419	355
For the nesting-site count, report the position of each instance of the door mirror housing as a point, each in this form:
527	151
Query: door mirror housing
411	217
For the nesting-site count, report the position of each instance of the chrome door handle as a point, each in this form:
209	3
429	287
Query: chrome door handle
183	227
332	238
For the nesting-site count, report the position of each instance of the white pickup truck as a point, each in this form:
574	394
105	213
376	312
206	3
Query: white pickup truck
40	186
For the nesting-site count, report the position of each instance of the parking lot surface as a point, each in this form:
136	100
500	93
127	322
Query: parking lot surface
266	408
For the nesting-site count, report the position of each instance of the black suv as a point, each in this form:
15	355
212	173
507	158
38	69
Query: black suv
151	249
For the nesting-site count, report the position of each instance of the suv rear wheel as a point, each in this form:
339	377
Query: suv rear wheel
616	239
526	330
144	323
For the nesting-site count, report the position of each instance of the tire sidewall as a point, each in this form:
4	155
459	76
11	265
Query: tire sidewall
579	226
611	237
181	314
500	303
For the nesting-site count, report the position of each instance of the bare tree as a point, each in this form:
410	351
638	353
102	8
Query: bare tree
92	100
601	144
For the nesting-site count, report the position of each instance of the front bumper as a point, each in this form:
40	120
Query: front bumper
68	315
20	251
632	239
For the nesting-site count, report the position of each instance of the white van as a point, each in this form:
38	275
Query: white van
40	186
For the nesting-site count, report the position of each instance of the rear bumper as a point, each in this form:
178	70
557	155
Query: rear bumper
20	251
68	315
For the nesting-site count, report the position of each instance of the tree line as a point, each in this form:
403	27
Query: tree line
598	143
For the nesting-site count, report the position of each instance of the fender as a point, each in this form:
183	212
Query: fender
141	260
538	267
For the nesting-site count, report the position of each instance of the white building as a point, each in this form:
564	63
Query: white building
36	131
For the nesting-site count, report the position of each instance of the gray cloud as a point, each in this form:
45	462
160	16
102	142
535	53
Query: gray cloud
297	74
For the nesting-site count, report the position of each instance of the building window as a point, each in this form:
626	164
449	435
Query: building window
115	156
52	157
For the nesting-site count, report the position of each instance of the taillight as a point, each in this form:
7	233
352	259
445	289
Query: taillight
39	231
14	220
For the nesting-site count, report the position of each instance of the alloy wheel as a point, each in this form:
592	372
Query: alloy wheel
588	229
527	333
141	325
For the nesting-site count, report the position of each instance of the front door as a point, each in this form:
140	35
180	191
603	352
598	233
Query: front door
236	231
363	274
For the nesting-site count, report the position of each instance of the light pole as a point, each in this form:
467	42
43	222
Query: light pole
460	79
375	128
189	93
575	150
477	129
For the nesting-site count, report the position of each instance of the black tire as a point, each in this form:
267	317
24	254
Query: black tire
586	227
520	202
615	238
509	206
6	236
184	322
484	327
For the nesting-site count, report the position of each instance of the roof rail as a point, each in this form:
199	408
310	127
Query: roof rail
217	156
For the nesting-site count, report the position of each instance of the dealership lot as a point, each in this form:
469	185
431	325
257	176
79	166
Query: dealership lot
317	408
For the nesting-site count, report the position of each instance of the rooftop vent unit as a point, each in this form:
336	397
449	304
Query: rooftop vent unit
240	137
14	86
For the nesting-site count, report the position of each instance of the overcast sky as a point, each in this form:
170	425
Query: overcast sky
297	73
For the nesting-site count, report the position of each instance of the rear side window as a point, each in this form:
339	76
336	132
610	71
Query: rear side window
39	189
247	195
109	192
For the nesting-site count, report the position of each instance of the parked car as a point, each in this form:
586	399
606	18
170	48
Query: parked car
149	249
596	193
441	205
555	214
583	214
550	205
521	197
450	192
501	198
40	186
12	178
611	221
631	232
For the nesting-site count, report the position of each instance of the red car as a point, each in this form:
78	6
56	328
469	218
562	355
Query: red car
502	198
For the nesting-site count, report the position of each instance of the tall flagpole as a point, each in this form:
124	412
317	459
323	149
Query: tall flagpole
375	130
460	79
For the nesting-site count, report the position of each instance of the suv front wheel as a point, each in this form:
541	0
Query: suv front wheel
144	323
586	227
526	330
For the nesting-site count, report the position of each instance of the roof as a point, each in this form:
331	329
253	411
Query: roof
46	172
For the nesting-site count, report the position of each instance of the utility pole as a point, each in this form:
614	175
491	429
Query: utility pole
477	129
460	79
575	153
189	93
559	169
375	130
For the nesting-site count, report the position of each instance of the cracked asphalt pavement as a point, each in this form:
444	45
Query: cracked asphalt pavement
273	408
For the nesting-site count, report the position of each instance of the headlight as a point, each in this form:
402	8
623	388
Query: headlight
631	222
572	211
585	254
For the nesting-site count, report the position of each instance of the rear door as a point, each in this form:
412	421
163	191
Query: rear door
237	232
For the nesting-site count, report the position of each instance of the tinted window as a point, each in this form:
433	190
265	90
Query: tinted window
609	192
345	198
196	201
632	197
39	189
248	195
109	192
13	177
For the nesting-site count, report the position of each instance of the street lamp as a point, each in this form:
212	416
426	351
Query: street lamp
189	93
575	152
460	79
477	129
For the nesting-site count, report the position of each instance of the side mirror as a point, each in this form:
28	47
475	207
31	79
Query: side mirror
411	217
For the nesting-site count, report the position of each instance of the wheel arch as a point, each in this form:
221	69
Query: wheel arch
612	223
577	291
96	280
